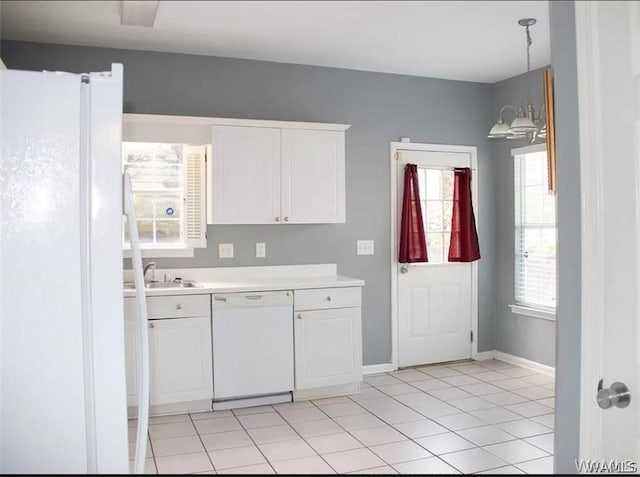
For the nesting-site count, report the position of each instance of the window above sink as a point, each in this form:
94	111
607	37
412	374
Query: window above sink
169	194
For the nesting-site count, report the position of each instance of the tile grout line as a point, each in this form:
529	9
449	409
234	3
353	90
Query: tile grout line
411	439
252	440
206	451
369	447
305	440
464	412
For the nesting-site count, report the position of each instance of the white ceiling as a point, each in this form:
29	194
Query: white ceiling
462	40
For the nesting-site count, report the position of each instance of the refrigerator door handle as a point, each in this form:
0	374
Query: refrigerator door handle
143	336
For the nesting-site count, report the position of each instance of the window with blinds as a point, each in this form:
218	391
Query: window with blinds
169	194
535	233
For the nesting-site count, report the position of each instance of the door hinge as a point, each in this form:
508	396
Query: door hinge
472	336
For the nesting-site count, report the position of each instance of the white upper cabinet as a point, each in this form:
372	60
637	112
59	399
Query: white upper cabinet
262	175
245	175
313	176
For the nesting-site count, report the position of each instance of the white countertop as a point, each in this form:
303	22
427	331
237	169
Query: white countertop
251	279
293	283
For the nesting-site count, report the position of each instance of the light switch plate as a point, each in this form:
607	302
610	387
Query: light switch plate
225	250
365	247
261	250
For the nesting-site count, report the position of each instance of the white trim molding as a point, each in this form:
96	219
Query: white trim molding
485	355
549	315
525	363
130	118
592	220
377	368
517	151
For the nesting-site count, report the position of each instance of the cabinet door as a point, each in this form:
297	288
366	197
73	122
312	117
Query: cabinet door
131	360
313	176
245	175
328	347
180	360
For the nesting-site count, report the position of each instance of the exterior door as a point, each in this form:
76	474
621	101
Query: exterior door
608	52
435	299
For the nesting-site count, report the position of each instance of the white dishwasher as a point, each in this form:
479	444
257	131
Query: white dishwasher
252	344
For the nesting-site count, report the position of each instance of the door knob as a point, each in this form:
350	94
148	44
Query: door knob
617	395
404	270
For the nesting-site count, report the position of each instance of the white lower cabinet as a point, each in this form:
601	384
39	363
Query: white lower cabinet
327	347
180	360
328	341
131	355
180	357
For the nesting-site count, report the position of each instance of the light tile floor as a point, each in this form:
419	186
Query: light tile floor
466	417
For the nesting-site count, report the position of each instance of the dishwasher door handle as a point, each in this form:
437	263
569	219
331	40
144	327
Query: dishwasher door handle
253	297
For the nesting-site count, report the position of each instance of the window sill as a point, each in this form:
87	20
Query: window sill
161	253
533	312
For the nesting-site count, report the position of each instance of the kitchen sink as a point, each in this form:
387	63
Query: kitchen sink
174	284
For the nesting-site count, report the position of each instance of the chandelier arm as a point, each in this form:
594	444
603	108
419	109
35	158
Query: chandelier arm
504	108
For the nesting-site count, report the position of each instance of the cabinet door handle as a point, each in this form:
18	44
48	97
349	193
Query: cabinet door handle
329	298
277	219
151	325
178	306
299	317
286	219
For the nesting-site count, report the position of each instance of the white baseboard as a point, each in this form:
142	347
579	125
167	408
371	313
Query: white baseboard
525	363
484	355
327	392
377	368
252	401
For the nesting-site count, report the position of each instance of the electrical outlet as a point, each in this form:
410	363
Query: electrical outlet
261	250
225	250
365	247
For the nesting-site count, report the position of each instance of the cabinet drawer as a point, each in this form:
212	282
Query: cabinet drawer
174	306
325	298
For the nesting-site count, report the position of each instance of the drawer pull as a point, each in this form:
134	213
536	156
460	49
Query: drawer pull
219	298
178	306
253	297
329	298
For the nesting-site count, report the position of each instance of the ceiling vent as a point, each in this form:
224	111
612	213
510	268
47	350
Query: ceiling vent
138	13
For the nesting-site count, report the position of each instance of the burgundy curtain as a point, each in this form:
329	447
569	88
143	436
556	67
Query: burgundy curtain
464	237
413	246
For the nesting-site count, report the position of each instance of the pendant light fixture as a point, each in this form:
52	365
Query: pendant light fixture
526	123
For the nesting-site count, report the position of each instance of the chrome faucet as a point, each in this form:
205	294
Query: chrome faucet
153	274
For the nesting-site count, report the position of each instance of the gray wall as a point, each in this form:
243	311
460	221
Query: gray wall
564	63
380	108
525	336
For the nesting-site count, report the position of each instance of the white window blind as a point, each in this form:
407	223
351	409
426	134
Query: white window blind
195	221
535	233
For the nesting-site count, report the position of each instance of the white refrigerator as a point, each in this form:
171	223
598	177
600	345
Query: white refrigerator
62	358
